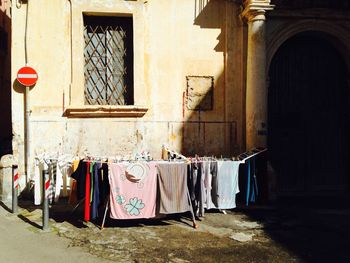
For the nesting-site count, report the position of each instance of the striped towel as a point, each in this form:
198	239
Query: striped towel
173	193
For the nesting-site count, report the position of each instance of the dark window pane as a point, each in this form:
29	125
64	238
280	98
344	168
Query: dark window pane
108	60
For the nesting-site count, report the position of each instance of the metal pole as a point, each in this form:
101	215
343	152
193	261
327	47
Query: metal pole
14	189
46	183
27	135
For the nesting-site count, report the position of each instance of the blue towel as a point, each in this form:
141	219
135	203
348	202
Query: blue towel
254	182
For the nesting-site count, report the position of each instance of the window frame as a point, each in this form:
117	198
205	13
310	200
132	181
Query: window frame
74	106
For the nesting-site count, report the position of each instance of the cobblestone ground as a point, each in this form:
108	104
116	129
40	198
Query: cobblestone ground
260	234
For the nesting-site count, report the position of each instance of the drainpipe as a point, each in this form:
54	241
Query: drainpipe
71	51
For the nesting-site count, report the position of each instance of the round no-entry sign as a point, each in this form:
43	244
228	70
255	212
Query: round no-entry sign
27	76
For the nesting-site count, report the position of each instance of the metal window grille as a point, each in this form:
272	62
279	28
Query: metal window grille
108	60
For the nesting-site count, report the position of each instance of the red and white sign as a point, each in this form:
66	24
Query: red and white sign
27	76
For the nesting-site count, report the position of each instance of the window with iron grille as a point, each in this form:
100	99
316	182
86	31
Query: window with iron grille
108	60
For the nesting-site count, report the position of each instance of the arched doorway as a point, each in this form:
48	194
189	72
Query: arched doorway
308	116
5	92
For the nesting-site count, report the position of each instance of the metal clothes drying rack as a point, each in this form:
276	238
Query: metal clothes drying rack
245	157
107	203
249	154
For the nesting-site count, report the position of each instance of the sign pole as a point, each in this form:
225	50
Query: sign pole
27	76
27	135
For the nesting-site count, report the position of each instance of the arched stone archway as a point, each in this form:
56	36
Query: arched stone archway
336	34
308	116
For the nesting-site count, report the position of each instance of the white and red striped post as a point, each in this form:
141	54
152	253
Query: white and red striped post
46	185
15	177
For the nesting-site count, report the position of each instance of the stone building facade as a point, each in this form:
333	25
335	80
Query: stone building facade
122	76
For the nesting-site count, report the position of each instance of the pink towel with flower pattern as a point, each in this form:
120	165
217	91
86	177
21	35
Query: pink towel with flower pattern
133	190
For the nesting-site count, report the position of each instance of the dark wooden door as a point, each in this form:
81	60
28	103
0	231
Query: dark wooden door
5	94
308	117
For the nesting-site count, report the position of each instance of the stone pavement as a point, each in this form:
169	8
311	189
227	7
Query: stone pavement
260	234
21	243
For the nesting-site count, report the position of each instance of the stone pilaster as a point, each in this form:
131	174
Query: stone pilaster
256	95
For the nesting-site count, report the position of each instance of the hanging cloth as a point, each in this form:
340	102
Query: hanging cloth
40	165
173	190
96	191
133	190
248	183
87	194
52	176
254	186
73	195
227	184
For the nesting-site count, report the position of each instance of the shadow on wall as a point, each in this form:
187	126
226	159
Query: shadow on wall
210	14
206	129
5	82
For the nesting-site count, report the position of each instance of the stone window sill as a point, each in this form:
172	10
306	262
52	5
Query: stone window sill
105	111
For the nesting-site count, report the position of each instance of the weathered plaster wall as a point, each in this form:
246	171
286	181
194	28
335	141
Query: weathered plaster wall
172	39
